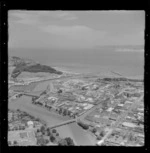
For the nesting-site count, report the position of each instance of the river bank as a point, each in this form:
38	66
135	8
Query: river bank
72	130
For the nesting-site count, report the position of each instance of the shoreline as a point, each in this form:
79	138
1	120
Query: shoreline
138	77
102	71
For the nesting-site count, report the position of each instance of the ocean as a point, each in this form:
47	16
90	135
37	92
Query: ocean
87	60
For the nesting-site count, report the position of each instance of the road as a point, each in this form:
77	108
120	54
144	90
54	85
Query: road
80	117
90	110
71	130
121	118
96	106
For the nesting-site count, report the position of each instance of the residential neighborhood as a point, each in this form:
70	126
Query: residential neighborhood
111	111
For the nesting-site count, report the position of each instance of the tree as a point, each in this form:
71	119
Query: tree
60	111
41	141
49	132
52	138
65	112
43	129
76	114
62	142
22	128
33	99
83	125
69	141
73	115
38	130
43	93
9	143
59	91
16	128
54	131
102	133
46	141
49	107
99	137
15	143
69	113
56	109
38	133
48	89
37	119
18	110
94	130
131	137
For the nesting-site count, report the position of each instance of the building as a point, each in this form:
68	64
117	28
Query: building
128	124
88	106
90	100
30	124
99	143
52	98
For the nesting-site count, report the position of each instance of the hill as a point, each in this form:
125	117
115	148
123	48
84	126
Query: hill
23	65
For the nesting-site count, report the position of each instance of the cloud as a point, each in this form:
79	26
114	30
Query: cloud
65	15
92	36
71	18
55	27
66	30
35	17
78	33
29	18
62	14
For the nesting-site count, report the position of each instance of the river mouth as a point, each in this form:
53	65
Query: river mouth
72	130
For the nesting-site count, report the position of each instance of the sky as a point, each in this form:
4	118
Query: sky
75	29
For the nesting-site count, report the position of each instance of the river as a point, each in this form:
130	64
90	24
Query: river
73	130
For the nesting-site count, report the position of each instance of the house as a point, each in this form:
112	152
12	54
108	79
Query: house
129	124
70	109
97	116
53	99
109	109
88	106
84	104
100	142
90	100
95	87
48	104
30	124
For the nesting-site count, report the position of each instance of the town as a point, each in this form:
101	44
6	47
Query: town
109	109
76	78
25	130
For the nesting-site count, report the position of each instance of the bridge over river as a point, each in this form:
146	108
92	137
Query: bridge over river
63	123
30	94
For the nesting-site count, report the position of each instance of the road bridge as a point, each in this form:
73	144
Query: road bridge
63	123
